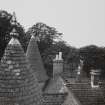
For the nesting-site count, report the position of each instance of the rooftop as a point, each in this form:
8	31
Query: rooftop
87	95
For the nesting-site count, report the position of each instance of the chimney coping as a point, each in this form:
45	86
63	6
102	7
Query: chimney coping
95	72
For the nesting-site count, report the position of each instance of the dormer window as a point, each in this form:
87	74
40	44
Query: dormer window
95	74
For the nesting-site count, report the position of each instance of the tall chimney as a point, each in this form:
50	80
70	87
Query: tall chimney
95	77
58	64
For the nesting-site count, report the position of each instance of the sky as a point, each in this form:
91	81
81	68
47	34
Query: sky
82	22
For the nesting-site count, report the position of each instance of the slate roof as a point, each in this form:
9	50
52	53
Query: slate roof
54	99
55	91
35	60
87	95
56	85
18	85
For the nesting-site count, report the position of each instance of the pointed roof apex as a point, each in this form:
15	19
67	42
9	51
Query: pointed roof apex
35	37
35	60
14	41
32	36
15	68
14	32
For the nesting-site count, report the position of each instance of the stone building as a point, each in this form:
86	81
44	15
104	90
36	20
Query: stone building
86	90
23	79
55	91
18	85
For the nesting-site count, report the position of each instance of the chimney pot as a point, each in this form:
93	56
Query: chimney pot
95	74
58	64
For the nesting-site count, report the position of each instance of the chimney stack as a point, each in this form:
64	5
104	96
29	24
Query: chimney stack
58	64
95	77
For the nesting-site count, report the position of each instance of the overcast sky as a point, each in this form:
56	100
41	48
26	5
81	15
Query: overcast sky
81	21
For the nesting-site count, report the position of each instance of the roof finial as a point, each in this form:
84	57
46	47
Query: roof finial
13	21
14	24
32	36
35	37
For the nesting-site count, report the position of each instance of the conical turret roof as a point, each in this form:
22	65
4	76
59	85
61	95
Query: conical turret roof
35	60
18	85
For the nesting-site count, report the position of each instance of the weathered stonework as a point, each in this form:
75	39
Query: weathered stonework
18	85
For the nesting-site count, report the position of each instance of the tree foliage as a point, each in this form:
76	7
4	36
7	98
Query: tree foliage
93	57
5	29
49	54
48	43
44	33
